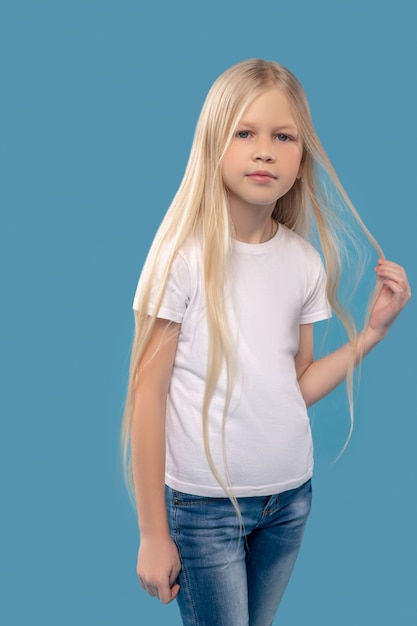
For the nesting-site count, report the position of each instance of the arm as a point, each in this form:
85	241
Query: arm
158	559
318	378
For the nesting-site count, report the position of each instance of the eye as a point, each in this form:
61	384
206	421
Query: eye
283	137
242	134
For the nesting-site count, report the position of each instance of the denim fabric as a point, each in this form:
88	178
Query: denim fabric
230	577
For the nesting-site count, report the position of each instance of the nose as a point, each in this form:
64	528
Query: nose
266	157
264	152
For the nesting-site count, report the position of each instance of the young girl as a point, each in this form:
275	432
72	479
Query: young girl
222	368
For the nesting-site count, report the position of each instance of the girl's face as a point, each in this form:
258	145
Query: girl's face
264	158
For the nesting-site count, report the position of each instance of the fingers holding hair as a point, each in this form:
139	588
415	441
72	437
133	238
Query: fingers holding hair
394	277
391	299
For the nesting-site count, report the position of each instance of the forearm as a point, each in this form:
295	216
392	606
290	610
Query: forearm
147	435
148	465
158	563
325	374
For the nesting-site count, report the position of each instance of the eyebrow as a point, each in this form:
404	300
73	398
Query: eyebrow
288	126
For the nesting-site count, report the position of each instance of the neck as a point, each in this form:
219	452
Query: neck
256	230
258	236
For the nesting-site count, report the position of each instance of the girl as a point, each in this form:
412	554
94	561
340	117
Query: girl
222	365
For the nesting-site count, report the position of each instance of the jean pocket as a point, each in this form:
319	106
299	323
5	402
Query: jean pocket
179	498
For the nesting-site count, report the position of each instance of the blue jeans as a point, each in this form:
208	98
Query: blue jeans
230	578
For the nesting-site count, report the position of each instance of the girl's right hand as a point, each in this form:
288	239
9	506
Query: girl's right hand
158	567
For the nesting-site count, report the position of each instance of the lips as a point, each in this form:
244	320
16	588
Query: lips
262	176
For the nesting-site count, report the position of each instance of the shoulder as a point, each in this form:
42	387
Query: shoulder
308	271
168	259
189	257
299	245
304	263
185	273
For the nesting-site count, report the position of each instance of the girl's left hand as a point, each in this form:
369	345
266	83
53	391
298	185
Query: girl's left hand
392	298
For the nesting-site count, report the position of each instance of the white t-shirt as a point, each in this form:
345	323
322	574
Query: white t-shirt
273	287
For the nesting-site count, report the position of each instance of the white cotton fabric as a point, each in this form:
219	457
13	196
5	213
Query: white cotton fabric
273	287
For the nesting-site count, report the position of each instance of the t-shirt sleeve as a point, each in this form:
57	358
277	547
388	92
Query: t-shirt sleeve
316	305
176	295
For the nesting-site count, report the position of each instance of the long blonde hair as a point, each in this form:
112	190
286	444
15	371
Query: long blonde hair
200	209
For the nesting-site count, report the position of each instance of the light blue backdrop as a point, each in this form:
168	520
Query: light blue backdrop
98	104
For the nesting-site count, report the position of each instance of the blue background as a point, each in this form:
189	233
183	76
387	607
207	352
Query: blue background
98	105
